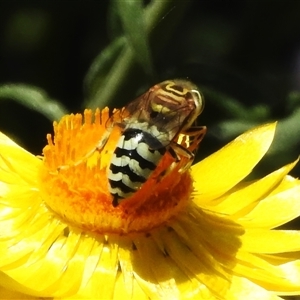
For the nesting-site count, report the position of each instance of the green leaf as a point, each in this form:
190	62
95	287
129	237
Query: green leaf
230	129
161	19
293	101
232	108
102	65
132	17
113	20
33	98
288	133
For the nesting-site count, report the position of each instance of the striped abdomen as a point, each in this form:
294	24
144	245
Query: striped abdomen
133	162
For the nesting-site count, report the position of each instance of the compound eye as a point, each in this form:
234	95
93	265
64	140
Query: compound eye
199	101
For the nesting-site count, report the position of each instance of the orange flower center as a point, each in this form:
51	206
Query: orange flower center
74	183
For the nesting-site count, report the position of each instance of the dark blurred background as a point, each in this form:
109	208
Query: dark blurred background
244	55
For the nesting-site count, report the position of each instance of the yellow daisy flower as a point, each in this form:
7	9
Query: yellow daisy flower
201	234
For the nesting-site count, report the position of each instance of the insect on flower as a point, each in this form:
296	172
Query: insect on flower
151	126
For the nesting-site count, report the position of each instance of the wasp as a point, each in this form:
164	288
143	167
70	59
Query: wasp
150	126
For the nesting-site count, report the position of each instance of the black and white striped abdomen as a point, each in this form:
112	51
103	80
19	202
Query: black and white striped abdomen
133	162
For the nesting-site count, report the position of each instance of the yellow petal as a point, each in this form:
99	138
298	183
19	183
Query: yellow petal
288	182
14	159
222	170
151	265
121	290
242	197
14	295
271	241
273	211
271	276
242	288
210	282
291	273
127	287
12	289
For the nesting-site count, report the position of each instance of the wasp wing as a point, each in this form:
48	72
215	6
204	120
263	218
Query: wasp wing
157	113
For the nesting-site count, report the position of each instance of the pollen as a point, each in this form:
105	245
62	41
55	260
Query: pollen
74	183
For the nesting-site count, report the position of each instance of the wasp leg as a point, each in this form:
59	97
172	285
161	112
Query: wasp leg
176	150
174	154
195	135
192	137
97	148
115	201
183	152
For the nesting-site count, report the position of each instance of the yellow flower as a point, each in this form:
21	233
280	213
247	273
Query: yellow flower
200	234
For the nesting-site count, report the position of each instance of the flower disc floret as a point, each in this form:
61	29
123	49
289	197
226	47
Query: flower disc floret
75	186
